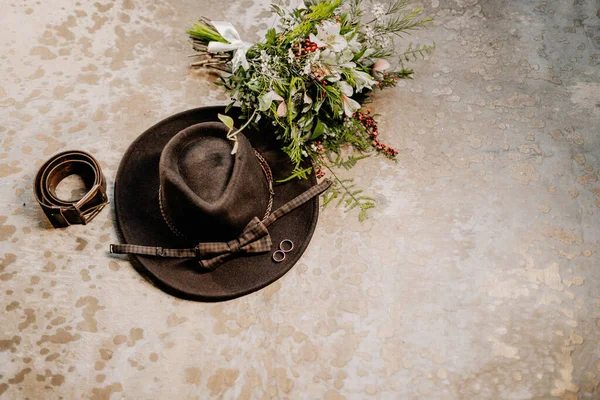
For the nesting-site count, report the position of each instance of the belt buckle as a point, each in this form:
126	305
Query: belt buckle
87	215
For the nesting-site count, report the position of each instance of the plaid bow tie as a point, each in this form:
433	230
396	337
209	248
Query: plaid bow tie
254	238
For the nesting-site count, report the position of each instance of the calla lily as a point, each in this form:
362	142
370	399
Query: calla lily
381	65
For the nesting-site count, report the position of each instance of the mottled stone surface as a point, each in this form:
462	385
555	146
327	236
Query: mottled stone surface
477	277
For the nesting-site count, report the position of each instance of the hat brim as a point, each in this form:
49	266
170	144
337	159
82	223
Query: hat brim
140	221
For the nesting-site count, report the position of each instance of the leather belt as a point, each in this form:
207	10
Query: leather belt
63	213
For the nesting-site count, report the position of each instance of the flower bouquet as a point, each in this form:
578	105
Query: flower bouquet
310	78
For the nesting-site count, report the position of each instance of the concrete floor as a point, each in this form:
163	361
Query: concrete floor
477	277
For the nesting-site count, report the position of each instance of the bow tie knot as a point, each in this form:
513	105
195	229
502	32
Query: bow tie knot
234	246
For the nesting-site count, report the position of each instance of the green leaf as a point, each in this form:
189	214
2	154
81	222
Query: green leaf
319	130
228	121
320	11
362	215
276	9
298	173
264	103
344	18
358	55
206	33
271	37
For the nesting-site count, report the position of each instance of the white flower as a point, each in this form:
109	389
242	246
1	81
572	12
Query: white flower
378	10
369	33
350	106
386	41
345	59
328	35
316	55
311	63
354	44
306	69
328	57
334	76
268	65
264	56
363	80
265	61
346	88
332	63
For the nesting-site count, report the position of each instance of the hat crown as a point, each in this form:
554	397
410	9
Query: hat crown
208	194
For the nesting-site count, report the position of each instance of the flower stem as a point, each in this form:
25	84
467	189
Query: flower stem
247	122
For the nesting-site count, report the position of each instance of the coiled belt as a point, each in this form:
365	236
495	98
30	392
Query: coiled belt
63	213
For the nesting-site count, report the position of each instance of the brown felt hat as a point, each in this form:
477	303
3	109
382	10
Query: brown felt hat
203	224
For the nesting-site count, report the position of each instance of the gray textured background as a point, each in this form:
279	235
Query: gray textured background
477	277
